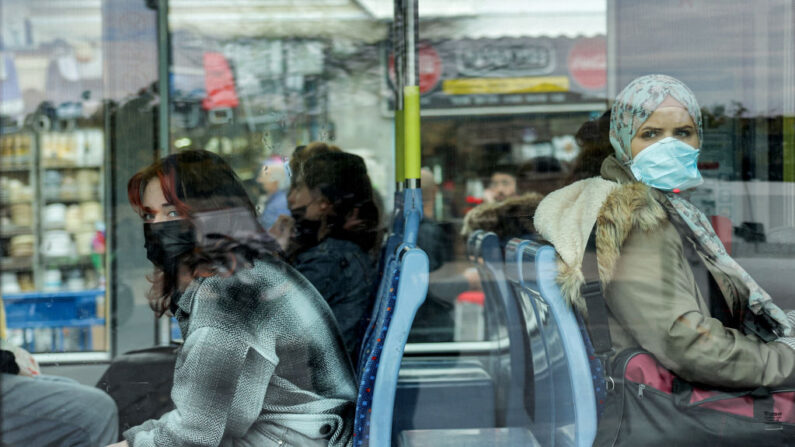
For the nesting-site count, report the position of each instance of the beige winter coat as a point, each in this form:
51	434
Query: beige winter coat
652	297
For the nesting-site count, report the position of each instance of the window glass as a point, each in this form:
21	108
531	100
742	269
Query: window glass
54	178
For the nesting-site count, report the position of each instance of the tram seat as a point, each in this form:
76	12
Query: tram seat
443	393
534	318
386	338
387	266
574	413
469	437
514	392
440	393
517	396
378	380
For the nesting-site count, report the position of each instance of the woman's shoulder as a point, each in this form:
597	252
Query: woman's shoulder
264	290
259	284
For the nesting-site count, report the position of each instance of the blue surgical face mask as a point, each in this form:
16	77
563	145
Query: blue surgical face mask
669	164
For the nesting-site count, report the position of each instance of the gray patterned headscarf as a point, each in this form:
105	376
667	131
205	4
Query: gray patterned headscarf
632	108
635	104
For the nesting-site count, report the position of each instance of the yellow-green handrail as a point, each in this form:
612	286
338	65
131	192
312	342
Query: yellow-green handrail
411	123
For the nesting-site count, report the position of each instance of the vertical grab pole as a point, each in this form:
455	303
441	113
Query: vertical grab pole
398	53
411	118
162	326
411	95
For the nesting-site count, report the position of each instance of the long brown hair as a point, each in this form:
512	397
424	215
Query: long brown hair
205	190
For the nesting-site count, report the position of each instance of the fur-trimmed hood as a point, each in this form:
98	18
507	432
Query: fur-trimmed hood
566	218
510	218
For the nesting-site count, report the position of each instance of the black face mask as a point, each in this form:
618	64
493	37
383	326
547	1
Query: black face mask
305	231
166	241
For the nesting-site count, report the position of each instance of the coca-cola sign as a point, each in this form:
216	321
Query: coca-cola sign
587	63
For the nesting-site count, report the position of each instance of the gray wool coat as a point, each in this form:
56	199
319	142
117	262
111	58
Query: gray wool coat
262	364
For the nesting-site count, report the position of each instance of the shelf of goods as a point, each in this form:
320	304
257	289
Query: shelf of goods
52	239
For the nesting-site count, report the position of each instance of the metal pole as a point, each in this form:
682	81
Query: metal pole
411	96
412	37
398	52
163	81
162	325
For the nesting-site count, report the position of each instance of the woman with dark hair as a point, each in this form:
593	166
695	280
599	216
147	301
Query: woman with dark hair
262	362
334	231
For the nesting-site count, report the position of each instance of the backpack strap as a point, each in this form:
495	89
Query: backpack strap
591	291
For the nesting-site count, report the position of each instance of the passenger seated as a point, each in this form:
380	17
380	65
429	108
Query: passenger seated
274	182
508	219
644	226
263	362
502	184
44	411
332	233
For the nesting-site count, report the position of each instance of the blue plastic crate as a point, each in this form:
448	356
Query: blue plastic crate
71	309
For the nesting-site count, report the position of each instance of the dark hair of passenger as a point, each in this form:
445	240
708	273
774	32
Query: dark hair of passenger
197	182
342	179
593	137
504	168
303	153
193	181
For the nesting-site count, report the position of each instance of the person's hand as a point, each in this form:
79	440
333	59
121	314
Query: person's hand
119	444
353	222
28	366
282	230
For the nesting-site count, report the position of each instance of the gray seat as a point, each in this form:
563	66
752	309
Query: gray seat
474	437
440	393
512	375
574	405
516	378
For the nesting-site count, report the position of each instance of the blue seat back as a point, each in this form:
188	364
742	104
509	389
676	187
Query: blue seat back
412	288
511	388
575	416
386	271
530	312
402	291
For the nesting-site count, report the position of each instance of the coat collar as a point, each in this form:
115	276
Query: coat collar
617	202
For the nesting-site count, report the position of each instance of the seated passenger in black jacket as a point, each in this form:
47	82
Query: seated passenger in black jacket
332	233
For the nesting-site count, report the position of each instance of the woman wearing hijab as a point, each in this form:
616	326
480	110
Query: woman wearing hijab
644	228
263	362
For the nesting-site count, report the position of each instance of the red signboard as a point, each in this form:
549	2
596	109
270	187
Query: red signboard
219	82
430	67
587	63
